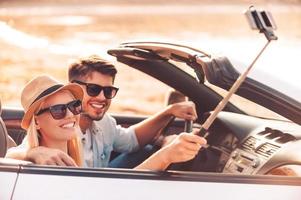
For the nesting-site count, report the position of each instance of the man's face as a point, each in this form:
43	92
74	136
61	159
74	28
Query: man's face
95	107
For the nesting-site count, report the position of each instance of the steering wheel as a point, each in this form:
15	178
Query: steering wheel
188	126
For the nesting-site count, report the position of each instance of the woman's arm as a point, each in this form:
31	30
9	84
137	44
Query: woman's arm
183	148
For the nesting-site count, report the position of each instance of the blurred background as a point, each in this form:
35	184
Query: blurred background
43	36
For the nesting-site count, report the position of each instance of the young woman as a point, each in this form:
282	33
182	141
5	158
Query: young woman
52	116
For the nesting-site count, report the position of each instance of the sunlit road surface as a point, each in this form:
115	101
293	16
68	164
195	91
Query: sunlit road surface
42	39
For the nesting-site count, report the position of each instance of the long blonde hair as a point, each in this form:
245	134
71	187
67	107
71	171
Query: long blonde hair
74	145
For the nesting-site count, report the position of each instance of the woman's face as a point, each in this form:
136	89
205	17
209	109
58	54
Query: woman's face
57	130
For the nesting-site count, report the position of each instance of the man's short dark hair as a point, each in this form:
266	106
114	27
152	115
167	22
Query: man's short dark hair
83	67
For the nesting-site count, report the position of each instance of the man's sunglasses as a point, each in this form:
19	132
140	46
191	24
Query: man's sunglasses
59	111
93	90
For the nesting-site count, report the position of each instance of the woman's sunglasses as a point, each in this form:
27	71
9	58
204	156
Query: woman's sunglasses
59	111
93	90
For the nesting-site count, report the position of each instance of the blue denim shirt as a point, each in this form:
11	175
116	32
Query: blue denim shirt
106	136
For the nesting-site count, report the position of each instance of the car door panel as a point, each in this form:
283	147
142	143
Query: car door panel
8	177
58	183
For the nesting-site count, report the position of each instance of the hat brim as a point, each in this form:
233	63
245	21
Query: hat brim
75	90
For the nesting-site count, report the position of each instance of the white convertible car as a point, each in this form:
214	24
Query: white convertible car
249	157
254	144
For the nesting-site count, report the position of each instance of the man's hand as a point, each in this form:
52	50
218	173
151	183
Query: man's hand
184	110
168	139
184	147
48	156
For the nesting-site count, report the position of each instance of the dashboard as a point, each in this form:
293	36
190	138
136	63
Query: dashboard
251	145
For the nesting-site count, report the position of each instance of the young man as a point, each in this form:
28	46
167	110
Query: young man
100	133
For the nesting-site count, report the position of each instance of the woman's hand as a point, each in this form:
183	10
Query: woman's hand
183	148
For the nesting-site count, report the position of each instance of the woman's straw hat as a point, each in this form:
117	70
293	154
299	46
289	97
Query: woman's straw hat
40	88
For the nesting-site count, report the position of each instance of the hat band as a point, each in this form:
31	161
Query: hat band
48	91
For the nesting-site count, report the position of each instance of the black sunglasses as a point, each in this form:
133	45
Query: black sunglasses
93	90
59	111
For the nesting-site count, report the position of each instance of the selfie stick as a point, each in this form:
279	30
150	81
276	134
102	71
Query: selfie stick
270	36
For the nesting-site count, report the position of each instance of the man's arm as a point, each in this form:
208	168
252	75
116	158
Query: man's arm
149	128
183	148
40	155
18	153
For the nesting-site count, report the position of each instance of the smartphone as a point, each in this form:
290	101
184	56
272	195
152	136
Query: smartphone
260	20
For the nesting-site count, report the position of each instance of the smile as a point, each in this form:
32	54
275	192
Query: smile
97	105
68	125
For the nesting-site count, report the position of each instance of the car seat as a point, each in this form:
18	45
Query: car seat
3	136
6	141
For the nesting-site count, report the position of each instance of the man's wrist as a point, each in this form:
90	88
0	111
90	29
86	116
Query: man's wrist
159	141
169	110
30	155
34	154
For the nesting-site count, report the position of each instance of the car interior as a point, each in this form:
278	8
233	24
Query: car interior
233	144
